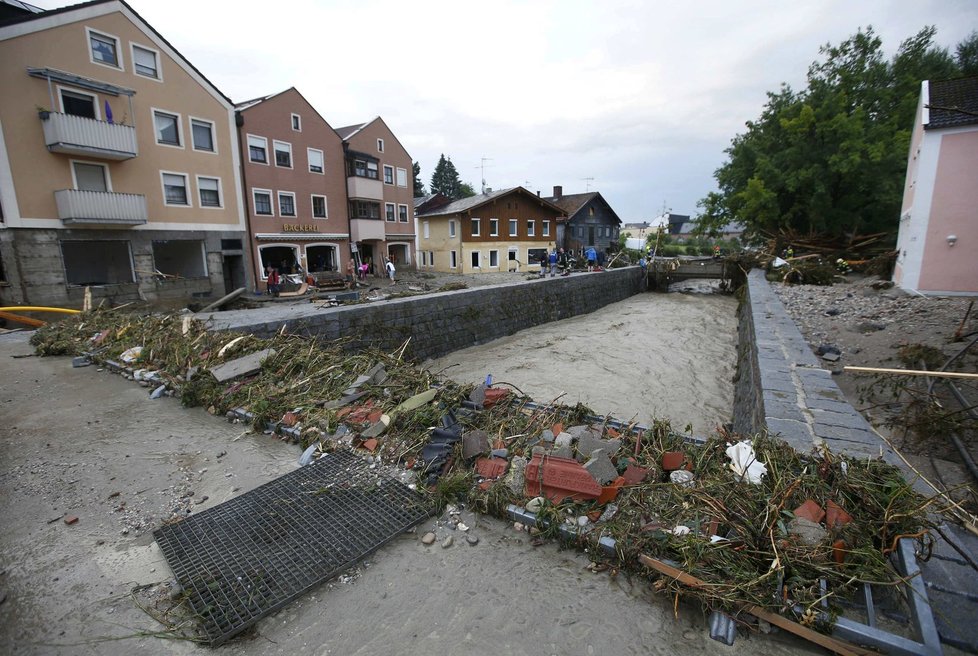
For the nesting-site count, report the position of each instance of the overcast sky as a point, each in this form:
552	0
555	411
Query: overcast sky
635	99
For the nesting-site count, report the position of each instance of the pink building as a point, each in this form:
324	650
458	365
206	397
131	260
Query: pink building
938	239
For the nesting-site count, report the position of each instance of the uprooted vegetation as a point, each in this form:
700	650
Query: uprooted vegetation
735	536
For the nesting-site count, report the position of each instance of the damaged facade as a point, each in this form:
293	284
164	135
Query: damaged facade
118	164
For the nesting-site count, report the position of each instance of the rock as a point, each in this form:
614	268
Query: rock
827	348
831	357
562	440
472	540
447	542
516	479
474	443
500	453
71	519
428	538
682	477
176	591
832	312
478	395
535	504
600	467
808	532
583	521
590	441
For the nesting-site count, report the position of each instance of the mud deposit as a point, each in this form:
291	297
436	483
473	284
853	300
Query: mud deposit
669	356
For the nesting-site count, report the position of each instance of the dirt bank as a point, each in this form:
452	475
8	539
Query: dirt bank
91	444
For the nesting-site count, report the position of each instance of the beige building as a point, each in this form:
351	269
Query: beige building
380	190
504	230
118	164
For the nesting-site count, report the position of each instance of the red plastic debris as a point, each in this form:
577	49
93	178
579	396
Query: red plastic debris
610	492
562	478
835	515
810	511
491	468
494	395
634	475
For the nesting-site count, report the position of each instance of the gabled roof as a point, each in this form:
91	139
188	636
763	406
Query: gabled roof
248	104
571	204
29	17
953	102
349	131
472	202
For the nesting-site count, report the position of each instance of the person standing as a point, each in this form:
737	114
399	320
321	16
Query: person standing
592	258
390	271
351	270
273	281
552	259
562	263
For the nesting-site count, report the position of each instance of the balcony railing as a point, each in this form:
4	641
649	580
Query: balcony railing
366	230
364	188
78	135
79	207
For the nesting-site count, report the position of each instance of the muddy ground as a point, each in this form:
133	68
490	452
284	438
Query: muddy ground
92	445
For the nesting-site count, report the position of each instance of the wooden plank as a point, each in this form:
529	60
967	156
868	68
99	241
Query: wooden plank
911	372
833	644
27	321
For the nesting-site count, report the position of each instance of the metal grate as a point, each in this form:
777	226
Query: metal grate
246	558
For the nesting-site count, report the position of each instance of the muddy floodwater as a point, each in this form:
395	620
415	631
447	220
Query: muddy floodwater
654	355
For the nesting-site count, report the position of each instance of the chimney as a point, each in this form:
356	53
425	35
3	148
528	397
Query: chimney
558	191
538	194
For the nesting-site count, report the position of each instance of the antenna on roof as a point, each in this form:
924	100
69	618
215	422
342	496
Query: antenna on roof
587	184
482	167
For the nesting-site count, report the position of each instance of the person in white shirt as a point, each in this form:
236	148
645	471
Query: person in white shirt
390	271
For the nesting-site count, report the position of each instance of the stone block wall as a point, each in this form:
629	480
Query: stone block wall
782	388
438	324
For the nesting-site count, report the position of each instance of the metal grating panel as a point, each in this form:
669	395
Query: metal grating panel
248	557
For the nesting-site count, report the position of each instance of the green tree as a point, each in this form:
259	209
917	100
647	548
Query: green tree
445	179
829	160
418	185
465	190
967	54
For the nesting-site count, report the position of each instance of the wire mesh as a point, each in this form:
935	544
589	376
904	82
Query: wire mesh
246	558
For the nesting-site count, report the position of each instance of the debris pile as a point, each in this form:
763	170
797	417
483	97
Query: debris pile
755	521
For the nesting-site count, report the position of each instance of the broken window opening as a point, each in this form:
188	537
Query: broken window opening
183	258
92	263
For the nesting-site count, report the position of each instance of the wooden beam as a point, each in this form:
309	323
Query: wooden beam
911	372
27	321
833	644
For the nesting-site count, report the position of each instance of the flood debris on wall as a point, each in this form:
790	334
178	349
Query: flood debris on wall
756	523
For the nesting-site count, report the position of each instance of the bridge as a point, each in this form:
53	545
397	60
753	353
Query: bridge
663	271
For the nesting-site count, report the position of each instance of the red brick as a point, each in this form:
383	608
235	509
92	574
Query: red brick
634	475
835	515
70	519
369	444
494	395
290	418
491	468
810	511
562	478
610	492
673	460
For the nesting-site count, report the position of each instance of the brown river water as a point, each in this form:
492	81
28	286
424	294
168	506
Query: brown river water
669	356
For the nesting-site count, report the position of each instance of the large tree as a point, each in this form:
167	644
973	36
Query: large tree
830	160
418	185
445	180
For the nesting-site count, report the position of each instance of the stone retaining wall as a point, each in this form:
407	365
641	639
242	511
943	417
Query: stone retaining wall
438	324
782	388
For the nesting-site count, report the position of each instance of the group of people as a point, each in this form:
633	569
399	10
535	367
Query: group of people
559	259
355	272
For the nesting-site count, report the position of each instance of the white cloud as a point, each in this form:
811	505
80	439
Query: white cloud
641	96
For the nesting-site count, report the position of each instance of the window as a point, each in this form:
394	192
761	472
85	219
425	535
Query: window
451	229
105	49
286	203
475	227
263	202
361	209
493	259
453	259
184	257
531	228
546	228
258	149
402	213
590	211
513	227
202	133
389	211
318	207
144	62
427	230
78	104
380	145
175	189
209	190
167	128
431	258
424	258
90	177
401	177
365	169
388	174
93	262
297	123
493	227
315	156
475	259
283	154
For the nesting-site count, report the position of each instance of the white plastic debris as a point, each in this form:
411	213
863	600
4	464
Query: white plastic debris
131	355
306	456
778	263
681	530
744	462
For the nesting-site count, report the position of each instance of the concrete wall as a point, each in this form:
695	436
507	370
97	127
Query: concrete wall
441	323
781	387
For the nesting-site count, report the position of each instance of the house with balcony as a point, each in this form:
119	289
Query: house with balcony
504	230
380	192
938	235
118	164
590	222
294	186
